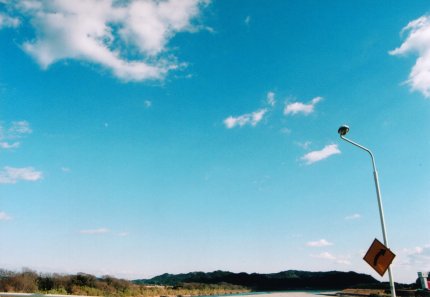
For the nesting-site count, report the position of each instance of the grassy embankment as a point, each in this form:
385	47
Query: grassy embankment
84	284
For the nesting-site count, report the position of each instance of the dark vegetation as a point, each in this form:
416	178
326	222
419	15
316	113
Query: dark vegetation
386	286
189	284
286	280
28	281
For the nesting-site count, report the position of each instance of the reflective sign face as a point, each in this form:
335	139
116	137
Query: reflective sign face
379	257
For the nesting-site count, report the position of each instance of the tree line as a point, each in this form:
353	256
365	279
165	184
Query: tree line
29	281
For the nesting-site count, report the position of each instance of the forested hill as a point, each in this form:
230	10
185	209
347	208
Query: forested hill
286	280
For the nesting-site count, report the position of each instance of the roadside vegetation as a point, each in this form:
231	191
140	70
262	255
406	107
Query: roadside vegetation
28	281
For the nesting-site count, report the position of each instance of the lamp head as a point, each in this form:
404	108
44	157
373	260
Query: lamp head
343	130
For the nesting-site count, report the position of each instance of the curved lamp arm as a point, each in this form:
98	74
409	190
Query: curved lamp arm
363	148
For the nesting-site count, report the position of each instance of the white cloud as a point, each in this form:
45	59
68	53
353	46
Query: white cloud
354	216
247	119
255	117
343	261
11	175
324	255
319	243
16	130
4	216
299	107
328	256
416	257
6	145
30	4
316	156
8	21
19	128
417	41
108	32
123	234
271	99
95	231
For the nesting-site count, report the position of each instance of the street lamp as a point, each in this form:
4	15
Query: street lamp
343	130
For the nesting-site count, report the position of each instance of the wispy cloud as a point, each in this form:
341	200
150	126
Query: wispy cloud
252	118
316	156
304	145
417	41
416	257
9	145
11	175
95	231
328	256
299	107
247	20
319	243
9	135
324	255
19	128
4	216
285	131
8	21
105	32
354	216
421	254
270	99
246	119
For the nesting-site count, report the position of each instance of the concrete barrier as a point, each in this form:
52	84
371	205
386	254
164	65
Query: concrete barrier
423	276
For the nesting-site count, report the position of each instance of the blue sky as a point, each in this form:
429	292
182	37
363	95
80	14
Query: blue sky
142	137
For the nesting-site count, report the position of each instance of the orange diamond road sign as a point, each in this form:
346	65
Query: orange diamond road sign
379	257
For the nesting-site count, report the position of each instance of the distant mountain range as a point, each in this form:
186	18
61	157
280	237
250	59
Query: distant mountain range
285	280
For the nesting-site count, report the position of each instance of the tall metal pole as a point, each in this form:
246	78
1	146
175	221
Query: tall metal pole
381	210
